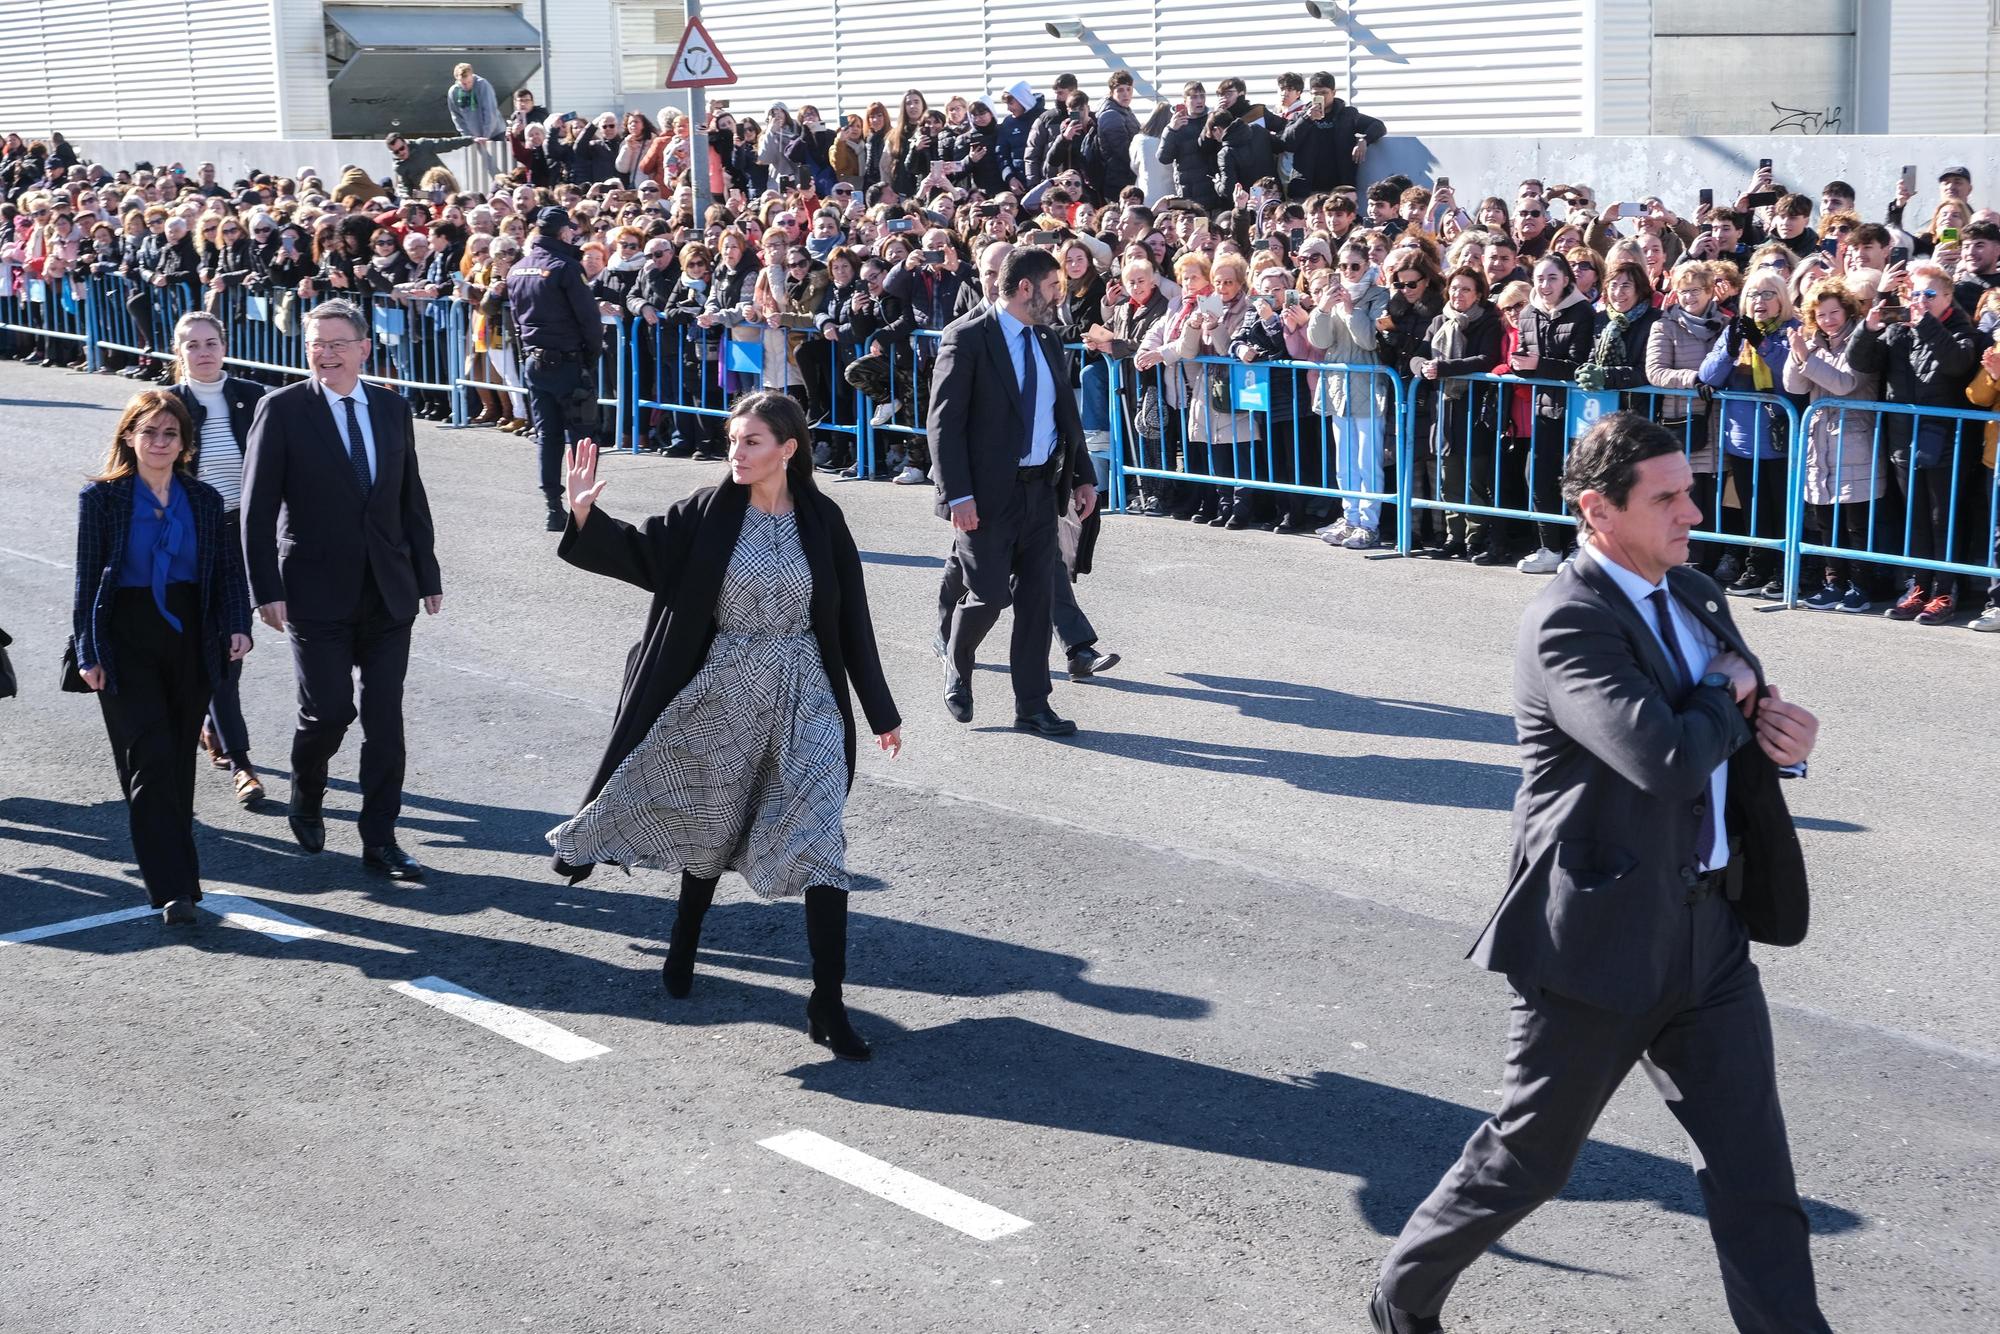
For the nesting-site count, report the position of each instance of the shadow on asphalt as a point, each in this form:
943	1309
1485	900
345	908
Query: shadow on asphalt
1327	710
1395	1142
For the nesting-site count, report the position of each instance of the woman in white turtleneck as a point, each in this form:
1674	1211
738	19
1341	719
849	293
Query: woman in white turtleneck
222	407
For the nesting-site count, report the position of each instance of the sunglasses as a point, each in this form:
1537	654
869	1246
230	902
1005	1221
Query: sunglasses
1529	213
1354	268
628	245
1408	287
385	245
1317	259
1927	293
798	263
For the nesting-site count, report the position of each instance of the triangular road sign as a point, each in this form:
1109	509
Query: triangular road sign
697	64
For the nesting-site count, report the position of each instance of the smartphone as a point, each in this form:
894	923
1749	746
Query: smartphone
1708	199
1180	109
988	210
1899	254
1076	118
1761	199
1043	238
1631	208
720	104
1910	179
1298	235
1764	165
1895	314
437	196
1830	246
930	256
1294	299
1947	236
1209	305
1443	183
897	226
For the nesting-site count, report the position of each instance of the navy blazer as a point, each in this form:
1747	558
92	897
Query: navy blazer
309	534
978	418
1616	754
103	523
243	396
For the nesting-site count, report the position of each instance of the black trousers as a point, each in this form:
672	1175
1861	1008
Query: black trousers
153	720
1011	559
1072	626
325	655
1707	1047
1760	508
225	705
548	387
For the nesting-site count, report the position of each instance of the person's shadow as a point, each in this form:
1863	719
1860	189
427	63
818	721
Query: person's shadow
1323	709
1394	1142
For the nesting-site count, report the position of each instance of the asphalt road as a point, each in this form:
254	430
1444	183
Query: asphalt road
1184	994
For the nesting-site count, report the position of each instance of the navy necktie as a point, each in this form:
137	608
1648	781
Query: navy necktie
1705	841
1030	388
357	452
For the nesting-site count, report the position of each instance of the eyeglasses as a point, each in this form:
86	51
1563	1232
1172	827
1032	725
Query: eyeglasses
333	344
1927	293
1408	287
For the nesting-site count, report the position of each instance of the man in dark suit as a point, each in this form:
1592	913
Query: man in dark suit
337	534
1651	844
1008	451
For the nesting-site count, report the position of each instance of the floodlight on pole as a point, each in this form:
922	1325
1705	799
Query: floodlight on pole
1064	29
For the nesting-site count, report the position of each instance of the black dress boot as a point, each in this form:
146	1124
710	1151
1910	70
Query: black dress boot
677	973
826	936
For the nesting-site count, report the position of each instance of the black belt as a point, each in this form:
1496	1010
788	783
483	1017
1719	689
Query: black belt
1707	885
1041	472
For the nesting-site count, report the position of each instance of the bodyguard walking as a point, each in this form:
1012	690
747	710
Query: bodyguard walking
337	534
561	332
1009	458
1651	846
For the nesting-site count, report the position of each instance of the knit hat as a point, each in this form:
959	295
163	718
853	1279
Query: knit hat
1316	245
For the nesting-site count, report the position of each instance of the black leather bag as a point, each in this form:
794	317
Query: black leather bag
1766	877
72	679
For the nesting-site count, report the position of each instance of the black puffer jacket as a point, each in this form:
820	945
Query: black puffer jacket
1562	339
1323	149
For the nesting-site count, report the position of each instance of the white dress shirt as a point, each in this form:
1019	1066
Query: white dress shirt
334	404
1696	648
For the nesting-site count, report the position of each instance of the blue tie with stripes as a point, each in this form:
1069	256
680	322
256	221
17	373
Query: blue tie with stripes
357	451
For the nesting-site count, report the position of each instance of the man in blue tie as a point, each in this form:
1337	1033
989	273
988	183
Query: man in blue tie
1009	455
1651	846
337	536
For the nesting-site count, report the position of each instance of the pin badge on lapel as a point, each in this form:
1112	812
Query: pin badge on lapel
1710	605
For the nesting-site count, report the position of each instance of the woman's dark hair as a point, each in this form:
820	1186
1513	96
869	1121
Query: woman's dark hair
1641	282
1478	279
121	459
1607	459
786	420
1156	124
1568	271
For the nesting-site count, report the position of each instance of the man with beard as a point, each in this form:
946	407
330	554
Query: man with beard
1009	450
561	332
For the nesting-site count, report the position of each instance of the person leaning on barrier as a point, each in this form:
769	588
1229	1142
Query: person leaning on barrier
1843	480
1676	347
220	408
1748	359
161	613
561	335
1140	308
1465	339
414	157
1927	359
1624	326
1274	329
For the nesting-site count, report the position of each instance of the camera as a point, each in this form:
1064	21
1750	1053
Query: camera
897	226
930	256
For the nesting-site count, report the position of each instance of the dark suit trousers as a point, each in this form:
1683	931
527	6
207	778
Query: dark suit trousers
154	720
325	655
1072	626
1011	559
1707	1047
225	708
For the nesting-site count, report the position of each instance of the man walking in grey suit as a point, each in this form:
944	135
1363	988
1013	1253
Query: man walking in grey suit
1651	845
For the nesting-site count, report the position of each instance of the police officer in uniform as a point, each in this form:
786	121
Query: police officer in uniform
561	333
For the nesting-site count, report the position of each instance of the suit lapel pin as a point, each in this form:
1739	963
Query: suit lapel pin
1711	607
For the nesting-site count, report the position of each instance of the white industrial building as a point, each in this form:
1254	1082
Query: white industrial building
316	69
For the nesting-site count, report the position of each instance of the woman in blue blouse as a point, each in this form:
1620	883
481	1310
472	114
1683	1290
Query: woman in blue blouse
161	607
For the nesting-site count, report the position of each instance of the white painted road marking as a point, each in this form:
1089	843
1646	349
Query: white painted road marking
938	1203
510	1023
75	924
236	910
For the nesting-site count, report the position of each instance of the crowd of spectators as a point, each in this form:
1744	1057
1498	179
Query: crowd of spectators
1202	230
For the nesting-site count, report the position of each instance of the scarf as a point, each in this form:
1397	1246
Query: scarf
1449	341
1760	371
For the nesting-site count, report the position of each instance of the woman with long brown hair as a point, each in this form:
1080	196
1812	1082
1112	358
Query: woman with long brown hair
162	606
733	748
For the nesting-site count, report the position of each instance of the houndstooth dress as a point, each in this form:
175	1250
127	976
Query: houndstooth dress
747	769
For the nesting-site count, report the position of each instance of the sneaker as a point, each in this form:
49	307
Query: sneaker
1938	611
850	472
1830	595
1335	533
1360	539
1854	600
1773	590
885	412
1913	602
909	477
823	454
1151	507
1747	584
1726	570
1543	561
1988	621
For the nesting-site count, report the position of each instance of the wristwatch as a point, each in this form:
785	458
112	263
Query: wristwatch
1716	679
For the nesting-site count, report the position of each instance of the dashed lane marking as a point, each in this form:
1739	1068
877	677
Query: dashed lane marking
236	910
938	1203
76	924
514	1025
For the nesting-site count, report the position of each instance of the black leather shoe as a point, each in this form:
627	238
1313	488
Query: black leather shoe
1449	551
393	862
557	521
1487	558
307	826
178	912
1089	662
1388	1319
1044	722
958	703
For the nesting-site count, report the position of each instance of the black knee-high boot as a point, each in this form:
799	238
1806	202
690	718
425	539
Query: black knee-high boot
826	936
677	973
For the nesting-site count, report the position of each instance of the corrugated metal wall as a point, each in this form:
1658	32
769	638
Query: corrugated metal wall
158	68
1426	66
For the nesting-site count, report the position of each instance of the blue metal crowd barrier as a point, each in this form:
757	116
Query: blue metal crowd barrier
52	312
1906	497
1289	427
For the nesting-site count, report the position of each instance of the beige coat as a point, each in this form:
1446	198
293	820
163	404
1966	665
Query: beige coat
1841	463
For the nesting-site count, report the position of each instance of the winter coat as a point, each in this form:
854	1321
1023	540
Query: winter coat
1348	337
1621	352
1984	392
1562	338
1290	390
1149	170
1676	346
1472	349
1323	150
1249	154
1203	422
1013	139
1840	464
1035	149
1117	128
1750	430
1192	155
1926	363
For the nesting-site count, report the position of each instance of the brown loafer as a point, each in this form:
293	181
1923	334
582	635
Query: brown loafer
212	743
249	788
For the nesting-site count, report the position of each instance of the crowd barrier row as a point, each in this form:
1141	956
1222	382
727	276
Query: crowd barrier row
1394	451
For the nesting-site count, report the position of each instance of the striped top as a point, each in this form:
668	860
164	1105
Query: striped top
219	462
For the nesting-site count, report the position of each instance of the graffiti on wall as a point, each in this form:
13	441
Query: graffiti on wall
1806	122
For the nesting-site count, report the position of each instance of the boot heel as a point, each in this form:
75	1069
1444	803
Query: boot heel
828	1026
813	1030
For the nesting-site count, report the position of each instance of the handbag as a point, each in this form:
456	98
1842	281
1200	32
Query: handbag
72	678
1216	385
10	685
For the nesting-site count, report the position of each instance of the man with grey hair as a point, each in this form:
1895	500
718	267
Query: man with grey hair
338	538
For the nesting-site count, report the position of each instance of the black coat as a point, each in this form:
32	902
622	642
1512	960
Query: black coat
243	396
308	531
1323	150
1192	155
1563	342
978	419
680	557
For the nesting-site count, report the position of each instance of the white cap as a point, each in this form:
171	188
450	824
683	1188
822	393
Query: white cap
1020	90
